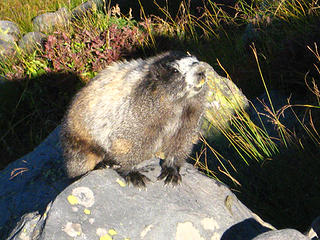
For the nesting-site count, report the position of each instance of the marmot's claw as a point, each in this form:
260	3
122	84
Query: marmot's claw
137	179
171	175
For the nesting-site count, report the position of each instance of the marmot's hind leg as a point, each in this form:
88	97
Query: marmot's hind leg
80	156
80	163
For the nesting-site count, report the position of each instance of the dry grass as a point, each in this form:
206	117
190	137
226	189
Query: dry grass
23	11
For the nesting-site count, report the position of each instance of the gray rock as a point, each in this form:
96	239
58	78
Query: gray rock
285	234
31	182
7	37
87	7
29	226
7	49
225	98
100	204
9	28
9	34
32	41
49	22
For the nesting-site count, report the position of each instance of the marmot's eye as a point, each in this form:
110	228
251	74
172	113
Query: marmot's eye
174	70
171	69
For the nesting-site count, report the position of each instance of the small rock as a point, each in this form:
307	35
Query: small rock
9	28
7	37
31	224
86	7
32	41
48	22
9	34
27	223
7	49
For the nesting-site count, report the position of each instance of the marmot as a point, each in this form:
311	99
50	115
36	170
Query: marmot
134	110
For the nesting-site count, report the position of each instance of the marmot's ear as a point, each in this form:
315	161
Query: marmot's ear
157	70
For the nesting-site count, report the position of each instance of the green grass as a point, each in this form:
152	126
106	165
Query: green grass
261	46
22	12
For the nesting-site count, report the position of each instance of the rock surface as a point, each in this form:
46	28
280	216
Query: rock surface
314	231
48	22
225	98
7	37
7	49
86	7
31	182
9	34
101	205
32	41
9	28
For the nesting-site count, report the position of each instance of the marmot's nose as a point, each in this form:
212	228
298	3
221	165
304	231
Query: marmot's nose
201	75
201	78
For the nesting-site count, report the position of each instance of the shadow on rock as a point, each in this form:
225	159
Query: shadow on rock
31	182
245	230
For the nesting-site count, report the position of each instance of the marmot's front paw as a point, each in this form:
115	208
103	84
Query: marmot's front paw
171	174
137	179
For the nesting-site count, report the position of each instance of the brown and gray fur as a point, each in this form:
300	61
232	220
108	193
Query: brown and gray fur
132	111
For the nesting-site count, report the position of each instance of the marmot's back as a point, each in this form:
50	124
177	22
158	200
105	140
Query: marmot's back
134	110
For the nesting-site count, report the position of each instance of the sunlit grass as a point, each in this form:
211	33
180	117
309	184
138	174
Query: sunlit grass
23	11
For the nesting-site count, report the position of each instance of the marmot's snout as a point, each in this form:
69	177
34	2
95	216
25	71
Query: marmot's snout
200	77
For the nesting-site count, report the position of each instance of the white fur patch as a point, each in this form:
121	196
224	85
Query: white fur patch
184	64
187	68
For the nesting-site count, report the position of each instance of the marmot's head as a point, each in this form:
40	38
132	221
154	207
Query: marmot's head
177	74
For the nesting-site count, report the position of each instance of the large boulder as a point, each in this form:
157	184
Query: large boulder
31	182
225	98
285	234
101	205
